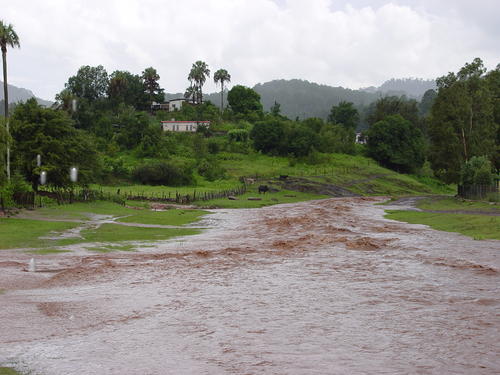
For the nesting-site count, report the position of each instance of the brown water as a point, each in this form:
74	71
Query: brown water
325	287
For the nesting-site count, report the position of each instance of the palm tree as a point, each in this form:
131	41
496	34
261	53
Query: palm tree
8	37
198	74
190	93
222	76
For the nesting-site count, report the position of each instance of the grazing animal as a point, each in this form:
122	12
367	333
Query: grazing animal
283	177
263	189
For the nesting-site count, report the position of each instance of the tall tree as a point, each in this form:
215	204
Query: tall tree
52	134
127	88
90	83
222	76
245	102
191	93
152	87
8	37
197	76
393	105
462	123
395	143
344	114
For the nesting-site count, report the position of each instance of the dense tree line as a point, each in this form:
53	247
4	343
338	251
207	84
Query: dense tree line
103	124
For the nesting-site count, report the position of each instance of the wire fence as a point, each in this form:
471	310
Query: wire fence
32	200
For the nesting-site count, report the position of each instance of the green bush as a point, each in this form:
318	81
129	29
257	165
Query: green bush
477	170
16	185
211	169
238	135
163	173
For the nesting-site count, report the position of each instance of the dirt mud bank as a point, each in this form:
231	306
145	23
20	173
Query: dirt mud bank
322	287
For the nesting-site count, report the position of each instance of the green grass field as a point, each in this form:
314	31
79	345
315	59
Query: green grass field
267	199
356	173
8	371
30	230
26	233
478	227
456	204
172	217
118	233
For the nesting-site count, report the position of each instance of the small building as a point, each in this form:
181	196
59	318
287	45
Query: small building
183	126
159	106
175	104
170	106
360	138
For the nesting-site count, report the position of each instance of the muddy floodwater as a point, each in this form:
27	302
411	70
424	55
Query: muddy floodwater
323	287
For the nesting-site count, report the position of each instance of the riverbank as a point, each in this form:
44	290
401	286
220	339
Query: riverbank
478	220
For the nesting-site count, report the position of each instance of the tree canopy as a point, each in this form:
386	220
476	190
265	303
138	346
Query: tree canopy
396	144
90	82
197	76
244	101
222	76
51	133
462	122
344	114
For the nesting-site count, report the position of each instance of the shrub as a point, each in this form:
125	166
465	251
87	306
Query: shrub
163	173
211	169
477	170
238	135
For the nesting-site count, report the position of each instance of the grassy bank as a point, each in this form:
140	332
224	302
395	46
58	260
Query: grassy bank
479	227
267	199
42	230
355	173
469	218
8	371
457	204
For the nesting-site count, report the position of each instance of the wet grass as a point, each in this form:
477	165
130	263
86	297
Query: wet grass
119	233
25	232
457	204
478	227
111	248
169	217
82	211
357	173
48	251
15	233
201	187
8	371
267	199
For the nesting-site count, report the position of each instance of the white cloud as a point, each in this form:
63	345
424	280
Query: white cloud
331	42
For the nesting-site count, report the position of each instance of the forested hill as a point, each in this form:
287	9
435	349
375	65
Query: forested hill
18	94
411	87
303	99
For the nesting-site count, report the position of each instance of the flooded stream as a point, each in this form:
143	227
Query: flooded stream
323	287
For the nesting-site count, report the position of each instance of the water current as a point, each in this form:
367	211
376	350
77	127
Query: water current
323	287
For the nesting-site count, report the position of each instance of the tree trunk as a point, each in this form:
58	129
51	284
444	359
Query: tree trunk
465	144
6	103
221	97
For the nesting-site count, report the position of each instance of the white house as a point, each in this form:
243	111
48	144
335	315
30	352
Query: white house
183	126
175	104
170	106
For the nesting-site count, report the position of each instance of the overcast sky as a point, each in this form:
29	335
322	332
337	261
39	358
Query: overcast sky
350	43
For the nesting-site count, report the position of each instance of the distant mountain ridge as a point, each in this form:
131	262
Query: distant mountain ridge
411	87
19	94
303	99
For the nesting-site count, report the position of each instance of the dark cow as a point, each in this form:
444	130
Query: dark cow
263	189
